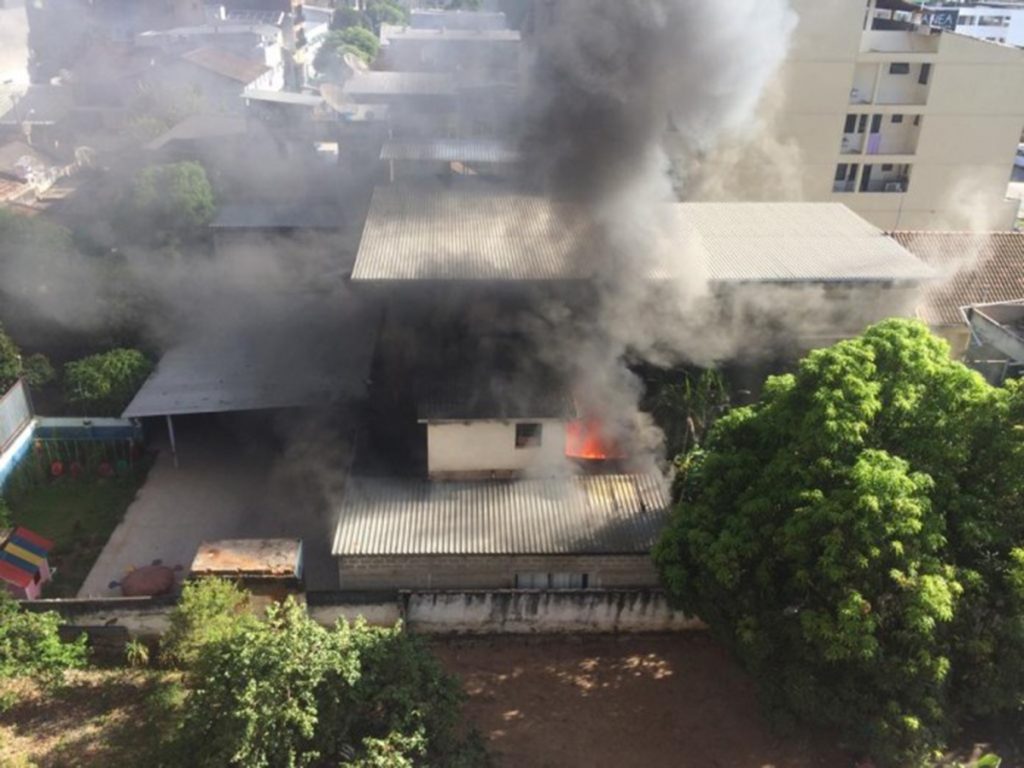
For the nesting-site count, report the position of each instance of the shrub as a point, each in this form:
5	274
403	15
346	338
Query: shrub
104	384
288	692
209	610
38	371
857	540
31	647
136	654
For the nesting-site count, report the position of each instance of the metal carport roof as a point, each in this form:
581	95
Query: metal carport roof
302	360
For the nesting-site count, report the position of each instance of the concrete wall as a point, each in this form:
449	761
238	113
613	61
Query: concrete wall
484	446
490	571
518	612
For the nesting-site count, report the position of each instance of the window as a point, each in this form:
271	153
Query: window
899	68
863	124
841	172
897	118
528	434
552	580
917	119
966	21
851	124
886	167
993	21
926	72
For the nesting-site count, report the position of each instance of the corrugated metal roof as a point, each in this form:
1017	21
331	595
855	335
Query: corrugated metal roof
429	18
974	268
450	150
283	97
593	514
471	231
304	360
400	84
389	33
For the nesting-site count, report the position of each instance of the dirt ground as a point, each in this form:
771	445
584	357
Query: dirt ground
650	700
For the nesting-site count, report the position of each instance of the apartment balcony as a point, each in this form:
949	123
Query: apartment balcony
880	44
889	134
885	178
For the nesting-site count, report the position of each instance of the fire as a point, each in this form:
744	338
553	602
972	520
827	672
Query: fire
585	439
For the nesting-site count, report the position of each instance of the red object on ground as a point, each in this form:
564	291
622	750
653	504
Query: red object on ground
57	468
585	439
147	581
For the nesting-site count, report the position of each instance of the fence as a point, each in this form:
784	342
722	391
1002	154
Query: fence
15	414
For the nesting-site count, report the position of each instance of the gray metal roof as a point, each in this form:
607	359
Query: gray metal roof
450	150
389	33
468	231
593	514
429	18
307	359
283	97
400	84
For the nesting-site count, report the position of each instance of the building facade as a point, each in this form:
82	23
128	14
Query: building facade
910	126
995	22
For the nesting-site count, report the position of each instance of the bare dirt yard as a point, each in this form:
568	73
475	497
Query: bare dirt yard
649	700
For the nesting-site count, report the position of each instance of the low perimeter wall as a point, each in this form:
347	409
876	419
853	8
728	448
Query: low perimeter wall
115	620
561	611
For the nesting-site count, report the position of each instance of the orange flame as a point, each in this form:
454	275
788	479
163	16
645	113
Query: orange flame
585	439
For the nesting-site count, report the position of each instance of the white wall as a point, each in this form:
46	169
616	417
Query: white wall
519	612
484	446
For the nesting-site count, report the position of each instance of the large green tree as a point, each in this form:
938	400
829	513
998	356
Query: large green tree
288	692
857	539
103	384
168	204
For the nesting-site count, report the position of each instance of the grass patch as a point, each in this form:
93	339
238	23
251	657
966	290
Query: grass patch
79	516
111	717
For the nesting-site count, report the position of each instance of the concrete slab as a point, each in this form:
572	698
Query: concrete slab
220	490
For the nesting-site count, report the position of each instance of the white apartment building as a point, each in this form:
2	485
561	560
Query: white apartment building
911	127
995	22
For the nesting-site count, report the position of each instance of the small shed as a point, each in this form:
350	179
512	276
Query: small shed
23	562
267	567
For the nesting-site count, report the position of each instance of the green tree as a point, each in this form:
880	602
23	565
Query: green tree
209	610
103	384
287	692
168	204
35	369
358	41
30	645
857	539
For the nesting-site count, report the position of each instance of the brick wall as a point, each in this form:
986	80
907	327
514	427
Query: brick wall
490	571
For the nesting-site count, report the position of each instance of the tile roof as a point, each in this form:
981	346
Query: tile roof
226	64
472	230
973	267
592	514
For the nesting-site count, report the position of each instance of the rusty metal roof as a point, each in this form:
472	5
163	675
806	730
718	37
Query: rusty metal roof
249	557
471	230
973	267
592	514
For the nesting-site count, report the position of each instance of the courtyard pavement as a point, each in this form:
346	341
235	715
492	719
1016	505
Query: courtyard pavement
221	489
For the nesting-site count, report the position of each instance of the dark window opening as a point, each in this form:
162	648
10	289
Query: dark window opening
897	118
863	124
876	123
926	71
841	172
886	167
899	68
917	120
528	435
851	124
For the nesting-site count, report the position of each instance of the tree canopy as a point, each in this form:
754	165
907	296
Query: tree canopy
857	539
103	384
35	369
168	204
286	691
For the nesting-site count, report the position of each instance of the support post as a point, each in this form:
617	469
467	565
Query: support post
174	445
